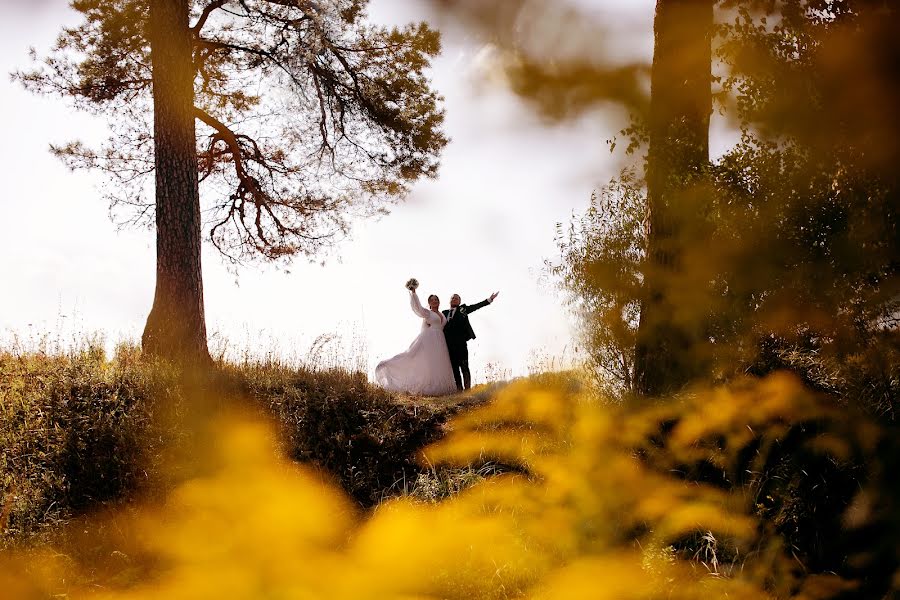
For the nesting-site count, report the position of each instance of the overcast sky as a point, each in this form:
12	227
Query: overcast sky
486	224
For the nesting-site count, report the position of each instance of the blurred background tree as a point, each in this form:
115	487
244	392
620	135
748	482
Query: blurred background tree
787	260
309	118
788	253
807	203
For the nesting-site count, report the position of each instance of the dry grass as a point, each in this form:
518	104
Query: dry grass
77	431
80	431
805	480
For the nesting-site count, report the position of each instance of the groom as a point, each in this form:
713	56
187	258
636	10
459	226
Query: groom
457	332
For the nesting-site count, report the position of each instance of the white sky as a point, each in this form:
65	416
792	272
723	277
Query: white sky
486	224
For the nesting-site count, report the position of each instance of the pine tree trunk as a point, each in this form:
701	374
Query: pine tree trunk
176	327
668	353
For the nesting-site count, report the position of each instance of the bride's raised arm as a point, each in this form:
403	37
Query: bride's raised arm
417	305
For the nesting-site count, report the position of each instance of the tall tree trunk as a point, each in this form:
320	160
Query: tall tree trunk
176	326
668	353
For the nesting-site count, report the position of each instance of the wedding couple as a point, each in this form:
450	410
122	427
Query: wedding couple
437	361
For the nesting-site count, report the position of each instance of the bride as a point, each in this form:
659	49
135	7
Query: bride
424	369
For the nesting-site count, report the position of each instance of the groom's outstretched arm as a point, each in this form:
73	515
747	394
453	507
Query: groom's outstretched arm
481	304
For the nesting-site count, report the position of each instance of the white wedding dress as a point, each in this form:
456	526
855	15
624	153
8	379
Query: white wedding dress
425	368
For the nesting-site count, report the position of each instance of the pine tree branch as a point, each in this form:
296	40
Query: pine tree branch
225	134
248	188
210	8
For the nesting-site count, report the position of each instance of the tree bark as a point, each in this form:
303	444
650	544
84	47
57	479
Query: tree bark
669	349
176	327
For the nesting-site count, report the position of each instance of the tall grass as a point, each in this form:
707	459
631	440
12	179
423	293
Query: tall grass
77	431
80	431
132	473
595	501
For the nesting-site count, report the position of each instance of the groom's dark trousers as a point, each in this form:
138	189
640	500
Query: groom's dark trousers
459	360
458	332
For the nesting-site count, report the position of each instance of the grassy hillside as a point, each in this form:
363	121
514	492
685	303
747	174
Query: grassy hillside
757	489
83	431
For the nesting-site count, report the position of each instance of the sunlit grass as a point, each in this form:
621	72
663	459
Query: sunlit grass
545	492
80	430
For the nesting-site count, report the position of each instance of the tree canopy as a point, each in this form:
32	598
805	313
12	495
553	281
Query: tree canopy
309	115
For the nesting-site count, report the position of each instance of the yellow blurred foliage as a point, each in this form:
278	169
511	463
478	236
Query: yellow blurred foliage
580	515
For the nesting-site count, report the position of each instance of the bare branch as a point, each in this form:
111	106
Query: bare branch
231	139
210	8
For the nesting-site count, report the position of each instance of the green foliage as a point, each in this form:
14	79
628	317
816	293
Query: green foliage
600	271
814	178
807	202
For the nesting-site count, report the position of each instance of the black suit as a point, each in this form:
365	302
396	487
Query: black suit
457	332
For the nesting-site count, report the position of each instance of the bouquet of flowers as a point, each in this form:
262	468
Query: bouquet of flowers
412	284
